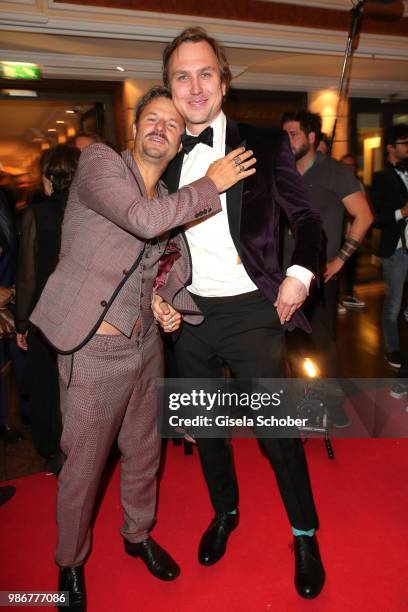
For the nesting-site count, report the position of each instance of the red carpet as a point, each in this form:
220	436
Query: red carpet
362	501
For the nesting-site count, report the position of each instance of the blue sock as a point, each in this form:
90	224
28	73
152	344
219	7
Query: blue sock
232	511
299	532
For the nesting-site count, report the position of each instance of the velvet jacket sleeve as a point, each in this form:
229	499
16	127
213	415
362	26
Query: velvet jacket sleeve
304	218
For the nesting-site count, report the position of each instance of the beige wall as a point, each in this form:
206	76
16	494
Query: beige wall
325	103
132	90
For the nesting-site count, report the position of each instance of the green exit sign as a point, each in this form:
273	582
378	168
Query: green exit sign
20	70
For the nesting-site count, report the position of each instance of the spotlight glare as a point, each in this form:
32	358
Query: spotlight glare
310	368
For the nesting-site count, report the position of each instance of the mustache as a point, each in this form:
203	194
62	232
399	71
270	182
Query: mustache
159	134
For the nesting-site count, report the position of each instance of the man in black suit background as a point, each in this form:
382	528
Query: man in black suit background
389	194
237	285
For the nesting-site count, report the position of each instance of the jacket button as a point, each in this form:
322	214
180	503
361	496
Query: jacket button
103	303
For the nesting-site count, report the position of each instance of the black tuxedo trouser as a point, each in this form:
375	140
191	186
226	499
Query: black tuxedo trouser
244	333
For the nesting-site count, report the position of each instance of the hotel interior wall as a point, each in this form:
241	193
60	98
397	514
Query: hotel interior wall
325	103
132	90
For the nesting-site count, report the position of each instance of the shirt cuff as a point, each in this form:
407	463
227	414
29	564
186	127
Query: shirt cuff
302	274
398	215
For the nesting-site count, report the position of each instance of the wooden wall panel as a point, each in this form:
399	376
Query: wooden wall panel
386	19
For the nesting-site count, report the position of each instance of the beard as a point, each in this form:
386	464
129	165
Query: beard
302	151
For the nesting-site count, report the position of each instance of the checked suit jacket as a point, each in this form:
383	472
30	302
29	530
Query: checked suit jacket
107	220
253	207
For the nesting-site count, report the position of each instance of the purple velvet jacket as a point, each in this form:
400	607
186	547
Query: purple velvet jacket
253	207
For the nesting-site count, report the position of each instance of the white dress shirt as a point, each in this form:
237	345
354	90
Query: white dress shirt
398	215
217	268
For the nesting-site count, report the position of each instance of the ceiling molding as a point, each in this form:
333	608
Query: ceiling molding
339	5
16	20
358	87
26	2
62	65
143	26
85	67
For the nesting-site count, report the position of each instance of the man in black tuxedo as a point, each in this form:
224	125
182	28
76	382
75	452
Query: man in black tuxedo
237	285
389	194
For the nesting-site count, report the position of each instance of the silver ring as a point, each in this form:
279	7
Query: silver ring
237	161
242	168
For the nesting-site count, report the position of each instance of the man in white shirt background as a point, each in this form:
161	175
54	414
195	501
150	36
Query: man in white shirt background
389	195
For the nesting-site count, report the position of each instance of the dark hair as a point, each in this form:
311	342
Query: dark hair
158	91
59	165
194	35
309	122
325	138
348	156
91	135
396	132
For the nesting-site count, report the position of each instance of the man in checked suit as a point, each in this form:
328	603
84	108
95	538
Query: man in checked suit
238	287
96	311
389	194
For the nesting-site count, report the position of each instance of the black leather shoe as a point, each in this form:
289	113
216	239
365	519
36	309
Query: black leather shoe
309	571
214	541
72	579
157	560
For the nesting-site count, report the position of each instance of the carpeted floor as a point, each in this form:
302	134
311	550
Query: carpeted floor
362	499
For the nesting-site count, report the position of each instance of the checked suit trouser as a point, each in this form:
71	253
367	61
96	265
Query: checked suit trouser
108	389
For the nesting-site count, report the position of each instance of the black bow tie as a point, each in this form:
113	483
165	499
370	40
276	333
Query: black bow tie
189	142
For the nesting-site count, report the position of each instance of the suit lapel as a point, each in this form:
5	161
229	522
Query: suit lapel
398	182
172	175
234	195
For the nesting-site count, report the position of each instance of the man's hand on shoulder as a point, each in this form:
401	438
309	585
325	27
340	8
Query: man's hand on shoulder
166	315
292	294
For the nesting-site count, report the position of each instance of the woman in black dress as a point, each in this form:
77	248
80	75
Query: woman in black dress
39	248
